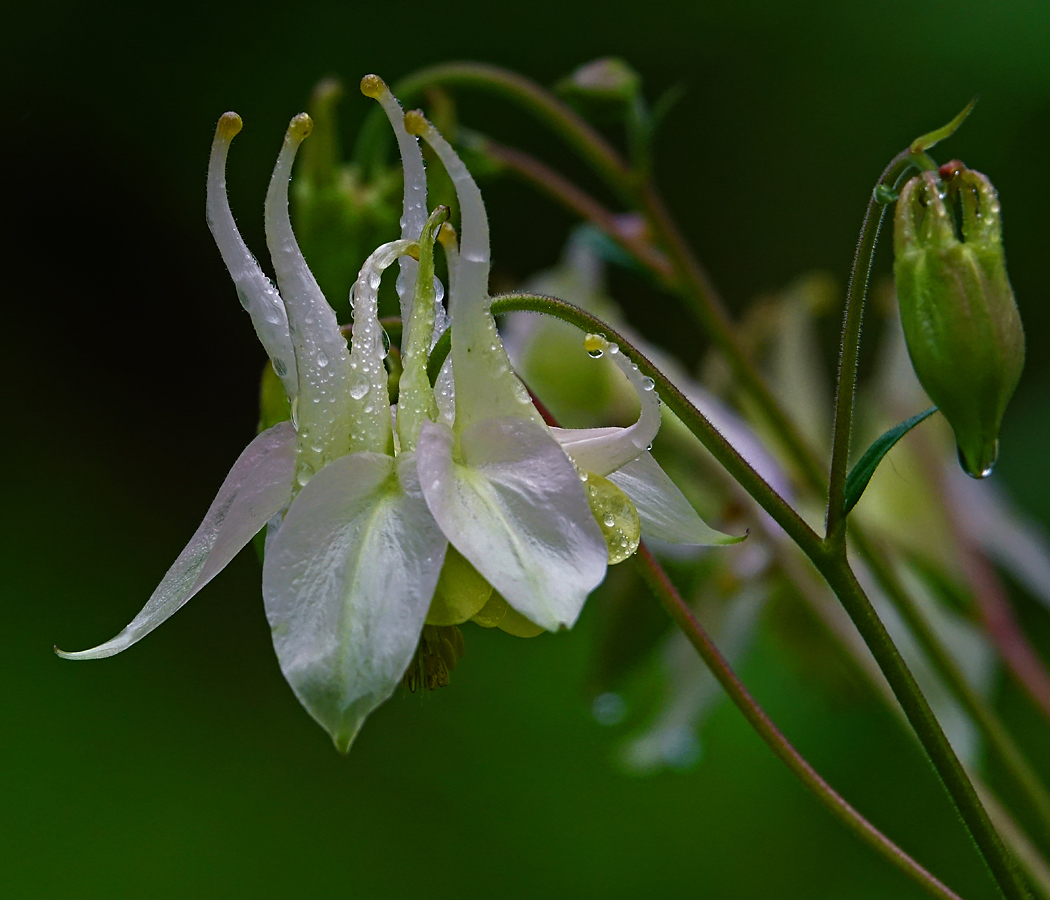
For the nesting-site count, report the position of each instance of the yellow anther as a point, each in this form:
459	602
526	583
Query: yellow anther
447	236
413	251
300	127
416	123
595	344
373	86
229	125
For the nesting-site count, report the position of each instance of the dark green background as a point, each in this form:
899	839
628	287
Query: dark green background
184	767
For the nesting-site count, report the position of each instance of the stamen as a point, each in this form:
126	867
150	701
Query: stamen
257	295
450	244
602	451
321	354
440	648
415	396
368	406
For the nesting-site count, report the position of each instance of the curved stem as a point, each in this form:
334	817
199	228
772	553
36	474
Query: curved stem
726	454
687	278
757	717
853	316
577	132
831	565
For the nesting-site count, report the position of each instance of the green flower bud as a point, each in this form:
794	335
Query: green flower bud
957	308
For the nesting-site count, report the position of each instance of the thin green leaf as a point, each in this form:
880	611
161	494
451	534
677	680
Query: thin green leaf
935	137
861	473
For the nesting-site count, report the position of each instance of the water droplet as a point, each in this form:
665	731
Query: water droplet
359	388
386	342
322	358
280	368
608	709
596	353
609	519
648	384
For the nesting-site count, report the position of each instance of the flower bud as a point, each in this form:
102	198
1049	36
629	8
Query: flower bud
608	79
958	312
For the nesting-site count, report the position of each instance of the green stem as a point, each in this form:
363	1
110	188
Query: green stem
691	281
726	454
679	611
999	740
688	277
577	132
853	317
832	566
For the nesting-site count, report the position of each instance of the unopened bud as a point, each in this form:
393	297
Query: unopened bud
957	308
609	78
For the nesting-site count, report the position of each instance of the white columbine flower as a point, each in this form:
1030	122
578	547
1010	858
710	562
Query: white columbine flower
361	510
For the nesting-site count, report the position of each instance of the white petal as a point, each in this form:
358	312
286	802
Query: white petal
257	295
321	355
513	505
259	486
604	450
486	385
1016	543
347	583
665	513
414	206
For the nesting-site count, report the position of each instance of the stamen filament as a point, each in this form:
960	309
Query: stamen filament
368	404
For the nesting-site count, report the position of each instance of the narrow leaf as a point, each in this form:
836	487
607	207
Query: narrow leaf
861	473
926	141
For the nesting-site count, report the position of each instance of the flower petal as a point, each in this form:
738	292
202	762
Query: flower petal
414	205
486	386
513	505
665	513
259	486
604	450
322	358
257	295
347	582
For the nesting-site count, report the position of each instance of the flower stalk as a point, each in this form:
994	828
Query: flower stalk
832	566
758	718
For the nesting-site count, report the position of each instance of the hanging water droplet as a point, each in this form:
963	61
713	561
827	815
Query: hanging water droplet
596	353
280	368
386	342
648	384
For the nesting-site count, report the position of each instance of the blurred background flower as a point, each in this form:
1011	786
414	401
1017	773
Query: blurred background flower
189	770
